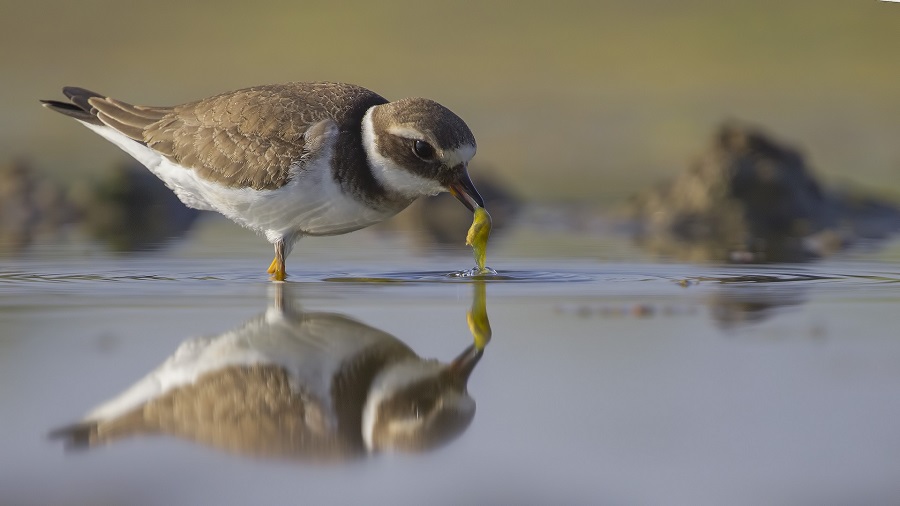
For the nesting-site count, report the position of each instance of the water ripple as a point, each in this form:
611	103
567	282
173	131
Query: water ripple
521	276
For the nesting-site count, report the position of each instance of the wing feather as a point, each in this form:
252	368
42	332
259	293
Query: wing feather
250	137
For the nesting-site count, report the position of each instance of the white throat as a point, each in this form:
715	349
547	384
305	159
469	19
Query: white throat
392	176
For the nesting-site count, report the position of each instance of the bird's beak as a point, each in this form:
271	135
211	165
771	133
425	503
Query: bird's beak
463	365
465	192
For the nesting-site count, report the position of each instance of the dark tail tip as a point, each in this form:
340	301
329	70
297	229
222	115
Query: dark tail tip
78	108
75	437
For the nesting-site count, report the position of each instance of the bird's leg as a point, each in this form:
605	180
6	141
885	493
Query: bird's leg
276	269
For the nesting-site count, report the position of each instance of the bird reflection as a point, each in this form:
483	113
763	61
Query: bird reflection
298	385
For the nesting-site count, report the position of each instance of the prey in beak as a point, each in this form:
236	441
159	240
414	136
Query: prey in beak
477	237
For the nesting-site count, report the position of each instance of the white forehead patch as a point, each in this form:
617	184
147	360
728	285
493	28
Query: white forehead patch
390	174
459	155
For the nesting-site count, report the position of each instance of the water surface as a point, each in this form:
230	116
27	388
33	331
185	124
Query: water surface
605	381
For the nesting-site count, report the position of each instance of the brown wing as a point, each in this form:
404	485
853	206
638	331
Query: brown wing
248	137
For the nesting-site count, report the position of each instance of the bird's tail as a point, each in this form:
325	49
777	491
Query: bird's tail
95	109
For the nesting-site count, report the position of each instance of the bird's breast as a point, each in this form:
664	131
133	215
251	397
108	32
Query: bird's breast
311	203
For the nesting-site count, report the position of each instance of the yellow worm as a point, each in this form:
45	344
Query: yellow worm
478	235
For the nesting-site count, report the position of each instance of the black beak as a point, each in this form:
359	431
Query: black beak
465	192
463	365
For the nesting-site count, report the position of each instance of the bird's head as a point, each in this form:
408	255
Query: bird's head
417	147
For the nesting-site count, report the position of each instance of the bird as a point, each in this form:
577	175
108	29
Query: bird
293	385
292	160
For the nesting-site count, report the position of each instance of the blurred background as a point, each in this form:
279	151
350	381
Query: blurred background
571	102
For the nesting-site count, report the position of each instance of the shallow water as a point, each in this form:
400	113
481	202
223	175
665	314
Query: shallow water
609	378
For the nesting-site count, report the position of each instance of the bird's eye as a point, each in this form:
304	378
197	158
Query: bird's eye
423	150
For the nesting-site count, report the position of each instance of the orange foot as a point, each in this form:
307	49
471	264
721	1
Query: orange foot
277	270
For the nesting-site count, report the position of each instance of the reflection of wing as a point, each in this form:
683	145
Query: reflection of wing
284	384
250	410
311	347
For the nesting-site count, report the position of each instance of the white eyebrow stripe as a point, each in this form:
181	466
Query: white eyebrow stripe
405	132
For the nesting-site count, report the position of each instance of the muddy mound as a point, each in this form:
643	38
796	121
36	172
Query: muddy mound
750	198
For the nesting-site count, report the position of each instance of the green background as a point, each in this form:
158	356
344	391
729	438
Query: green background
568	100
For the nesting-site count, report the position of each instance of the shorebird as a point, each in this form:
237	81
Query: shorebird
291	160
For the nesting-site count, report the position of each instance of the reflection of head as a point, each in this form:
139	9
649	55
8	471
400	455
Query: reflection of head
419	405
